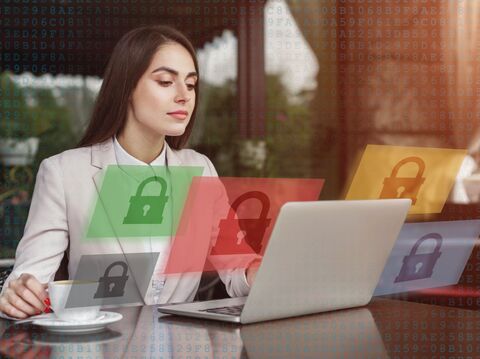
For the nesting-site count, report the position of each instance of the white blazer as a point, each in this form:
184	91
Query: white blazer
66	186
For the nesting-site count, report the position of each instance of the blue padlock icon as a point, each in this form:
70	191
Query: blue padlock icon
420	266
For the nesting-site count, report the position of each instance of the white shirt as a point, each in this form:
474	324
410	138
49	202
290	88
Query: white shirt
150	244
125	158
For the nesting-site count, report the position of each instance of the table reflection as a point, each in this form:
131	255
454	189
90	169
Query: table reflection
26	342
341	334
383	329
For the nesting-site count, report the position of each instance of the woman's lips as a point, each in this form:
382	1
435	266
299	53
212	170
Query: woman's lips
178	116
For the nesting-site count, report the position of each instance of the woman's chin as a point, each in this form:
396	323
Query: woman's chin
174	132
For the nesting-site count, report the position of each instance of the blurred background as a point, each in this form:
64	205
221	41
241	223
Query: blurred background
289	88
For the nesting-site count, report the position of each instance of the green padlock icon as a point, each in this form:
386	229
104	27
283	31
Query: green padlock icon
147	209
404	187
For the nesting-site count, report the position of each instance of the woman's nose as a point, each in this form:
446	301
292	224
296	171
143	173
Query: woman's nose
182	95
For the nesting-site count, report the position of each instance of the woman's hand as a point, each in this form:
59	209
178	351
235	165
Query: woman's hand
24	297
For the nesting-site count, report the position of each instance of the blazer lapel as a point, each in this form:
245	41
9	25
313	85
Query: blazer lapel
103	155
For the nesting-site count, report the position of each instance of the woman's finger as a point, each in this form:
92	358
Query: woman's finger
26	295
17	301
35	286
10	310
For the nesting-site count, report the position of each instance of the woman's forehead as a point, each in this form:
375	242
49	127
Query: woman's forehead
172	56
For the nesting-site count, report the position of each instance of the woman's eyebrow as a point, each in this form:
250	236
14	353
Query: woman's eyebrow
173	72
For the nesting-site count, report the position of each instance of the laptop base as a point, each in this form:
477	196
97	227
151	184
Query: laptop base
202	309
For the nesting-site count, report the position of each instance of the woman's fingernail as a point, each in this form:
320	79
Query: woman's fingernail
47	310
47	302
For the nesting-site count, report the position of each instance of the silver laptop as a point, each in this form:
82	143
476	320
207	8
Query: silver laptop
322	256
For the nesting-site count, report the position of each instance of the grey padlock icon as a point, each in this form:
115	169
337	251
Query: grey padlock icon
420	266
147	209
110	286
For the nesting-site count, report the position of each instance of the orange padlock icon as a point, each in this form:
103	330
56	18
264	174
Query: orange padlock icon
404	187
244	235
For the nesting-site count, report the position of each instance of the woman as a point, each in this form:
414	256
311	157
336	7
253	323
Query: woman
144	114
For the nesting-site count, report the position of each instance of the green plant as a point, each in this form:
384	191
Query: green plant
15	116
288	141
217	124
47	120
289	131
52	125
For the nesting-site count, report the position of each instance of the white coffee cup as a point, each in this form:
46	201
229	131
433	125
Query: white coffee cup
59	292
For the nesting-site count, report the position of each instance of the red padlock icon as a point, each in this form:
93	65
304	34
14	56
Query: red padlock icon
244	235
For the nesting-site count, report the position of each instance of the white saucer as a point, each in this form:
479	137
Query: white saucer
98	324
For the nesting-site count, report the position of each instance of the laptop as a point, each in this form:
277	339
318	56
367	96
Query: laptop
322	256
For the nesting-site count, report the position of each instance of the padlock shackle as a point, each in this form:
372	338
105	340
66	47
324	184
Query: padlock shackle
438	238
160	180
262	197
414	159
120	263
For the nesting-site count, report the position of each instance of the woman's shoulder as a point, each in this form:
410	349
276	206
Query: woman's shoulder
72	158
72	154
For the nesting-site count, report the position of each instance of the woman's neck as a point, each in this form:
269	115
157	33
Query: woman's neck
142	146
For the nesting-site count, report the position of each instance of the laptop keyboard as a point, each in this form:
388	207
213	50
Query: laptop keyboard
234	310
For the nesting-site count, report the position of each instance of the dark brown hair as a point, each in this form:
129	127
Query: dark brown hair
129	61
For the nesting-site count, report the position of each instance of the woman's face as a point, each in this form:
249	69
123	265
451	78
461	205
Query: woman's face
164	98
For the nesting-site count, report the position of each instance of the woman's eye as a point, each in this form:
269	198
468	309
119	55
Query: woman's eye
165	83
191	87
